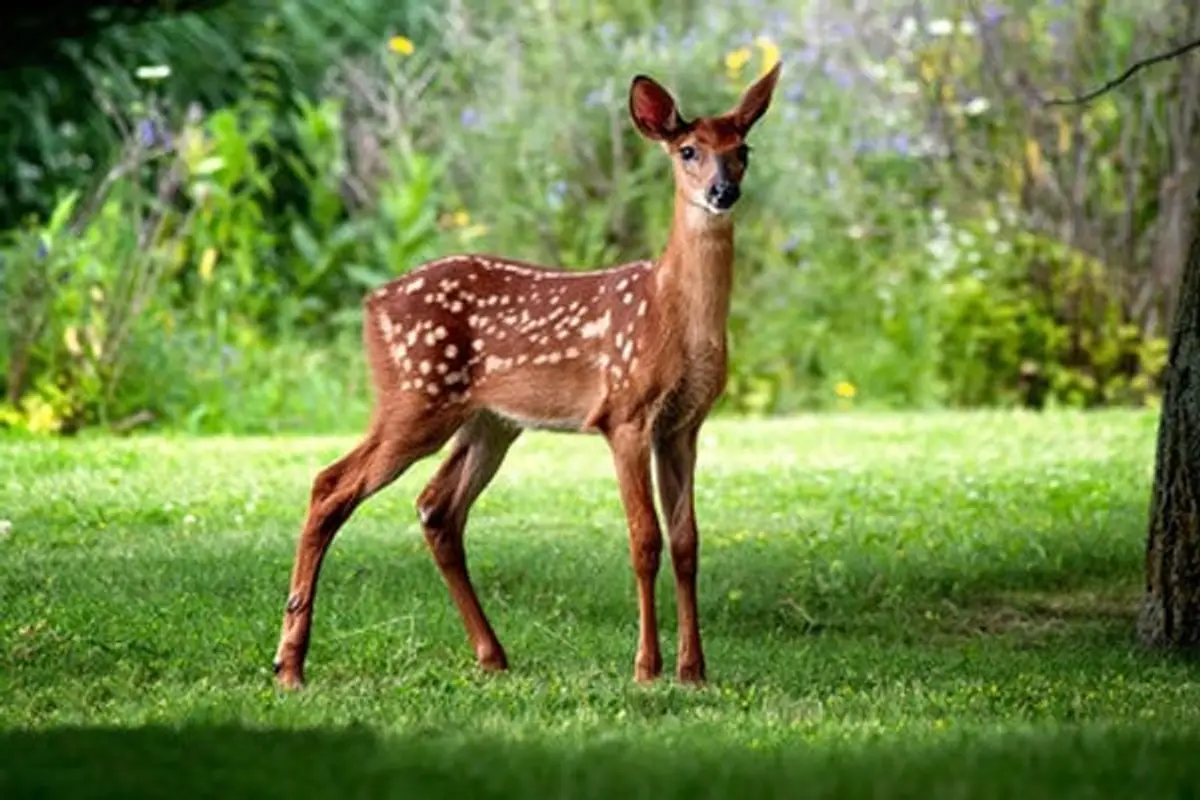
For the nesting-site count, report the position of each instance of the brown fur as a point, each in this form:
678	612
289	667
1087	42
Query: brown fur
479	348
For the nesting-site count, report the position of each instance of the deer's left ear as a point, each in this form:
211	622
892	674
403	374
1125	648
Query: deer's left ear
756	100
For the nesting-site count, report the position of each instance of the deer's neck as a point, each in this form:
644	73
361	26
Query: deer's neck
695	273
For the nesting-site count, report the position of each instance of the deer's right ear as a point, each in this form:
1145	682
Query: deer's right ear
653	110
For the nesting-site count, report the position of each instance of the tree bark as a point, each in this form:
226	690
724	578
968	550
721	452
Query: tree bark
1170	615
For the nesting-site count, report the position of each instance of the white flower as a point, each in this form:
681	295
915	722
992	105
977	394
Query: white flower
976	106
155	72
940	27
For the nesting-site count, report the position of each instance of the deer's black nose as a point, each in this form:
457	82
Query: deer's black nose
723	194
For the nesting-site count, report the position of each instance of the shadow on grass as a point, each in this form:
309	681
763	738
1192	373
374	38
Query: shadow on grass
234	762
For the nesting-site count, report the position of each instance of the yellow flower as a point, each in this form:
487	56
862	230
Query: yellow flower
462	219
40	416
770	53
71	340
207	262
474	232
736	59
402	45
845	389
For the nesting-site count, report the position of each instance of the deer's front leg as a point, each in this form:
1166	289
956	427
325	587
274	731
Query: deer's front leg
675	458
631	454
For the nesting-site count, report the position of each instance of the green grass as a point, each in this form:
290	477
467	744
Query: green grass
897	605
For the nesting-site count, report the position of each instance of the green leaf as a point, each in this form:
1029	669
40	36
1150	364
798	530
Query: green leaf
306	244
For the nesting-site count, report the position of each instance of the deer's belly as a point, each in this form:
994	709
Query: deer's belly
545	399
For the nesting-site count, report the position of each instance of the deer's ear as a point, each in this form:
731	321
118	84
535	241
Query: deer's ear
756	100
653	110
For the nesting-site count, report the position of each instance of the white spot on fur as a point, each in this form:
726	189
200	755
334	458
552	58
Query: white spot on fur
596	328
451	351
385	324
415	286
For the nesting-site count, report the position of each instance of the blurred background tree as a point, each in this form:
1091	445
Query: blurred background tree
195	202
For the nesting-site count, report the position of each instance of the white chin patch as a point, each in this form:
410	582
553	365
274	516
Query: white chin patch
702	203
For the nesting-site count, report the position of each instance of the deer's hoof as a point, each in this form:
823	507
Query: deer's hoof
288	677
492	659
691	674
647	670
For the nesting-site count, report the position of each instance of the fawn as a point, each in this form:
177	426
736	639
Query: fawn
480	348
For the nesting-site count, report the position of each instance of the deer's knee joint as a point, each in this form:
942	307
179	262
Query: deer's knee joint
432	506
647	553
325	484
683	558
445	544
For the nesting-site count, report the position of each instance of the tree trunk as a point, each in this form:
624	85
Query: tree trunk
1171	610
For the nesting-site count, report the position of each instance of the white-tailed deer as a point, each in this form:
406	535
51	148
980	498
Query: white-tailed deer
480	348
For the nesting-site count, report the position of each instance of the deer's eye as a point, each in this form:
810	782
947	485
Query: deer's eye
687	152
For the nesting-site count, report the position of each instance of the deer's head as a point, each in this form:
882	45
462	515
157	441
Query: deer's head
710	154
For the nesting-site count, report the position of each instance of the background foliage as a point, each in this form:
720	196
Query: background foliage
195	204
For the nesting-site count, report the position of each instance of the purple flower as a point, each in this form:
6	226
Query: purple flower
150	133
794	93
841	76
596	97
900	143
792	243
469	118
42	250
993	13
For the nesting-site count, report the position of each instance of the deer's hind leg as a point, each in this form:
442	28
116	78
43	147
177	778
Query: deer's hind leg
475	456
394	441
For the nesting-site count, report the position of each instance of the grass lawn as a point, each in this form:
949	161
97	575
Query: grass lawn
893	605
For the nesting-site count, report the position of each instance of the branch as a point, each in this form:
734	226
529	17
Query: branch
1126	75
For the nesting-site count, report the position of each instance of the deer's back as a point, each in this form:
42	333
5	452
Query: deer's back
544	347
